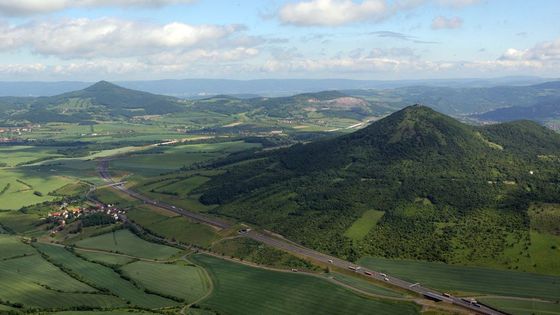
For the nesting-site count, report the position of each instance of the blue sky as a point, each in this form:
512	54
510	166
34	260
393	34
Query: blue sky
247	39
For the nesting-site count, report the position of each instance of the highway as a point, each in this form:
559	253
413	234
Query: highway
291	247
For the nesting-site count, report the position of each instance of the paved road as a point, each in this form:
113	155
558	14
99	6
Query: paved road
286	245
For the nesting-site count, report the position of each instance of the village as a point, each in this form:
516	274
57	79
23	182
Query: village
66	214
7	134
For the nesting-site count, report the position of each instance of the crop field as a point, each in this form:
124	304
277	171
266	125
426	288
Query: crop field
470	279
165	159
74	189
522	307
32	281
108	195
19	222
12	247
180	187
105	258
176	190
364	285
180	280
105	132
77	168
11	156
24	186
104	277
360	228
238	287
173	227
125	242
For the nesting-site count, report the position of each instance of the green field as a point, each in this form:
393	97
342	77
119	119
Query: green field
13	247
180	280
24	186
361	227
104	277
469	279
364	285
34	282
125	242
240	289
12	156
522	307
105	258
165	159
176	189
172	226
108	195
21	223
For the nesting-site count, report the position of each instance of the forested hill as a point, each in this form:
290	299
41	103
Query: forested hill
102	100
423	169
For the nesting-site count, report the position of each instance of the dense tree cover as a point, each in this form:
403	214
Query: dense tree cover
433	176
98	218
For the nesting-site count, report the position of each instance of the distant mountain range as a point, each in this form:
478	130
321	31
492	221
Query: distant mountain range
196	88
448	191
107	101
464	101
542	111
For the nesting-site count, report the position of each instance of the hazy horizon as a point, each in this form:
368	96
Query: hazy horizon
91	40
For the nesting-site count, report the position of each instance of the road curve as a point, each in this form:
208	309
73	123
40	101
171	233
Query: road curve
299	250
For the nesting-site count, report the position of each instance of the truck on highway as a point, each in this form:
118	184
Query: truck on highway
352	268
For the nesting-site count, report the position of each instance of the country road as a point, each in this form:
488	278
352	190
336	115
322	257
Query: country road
288	246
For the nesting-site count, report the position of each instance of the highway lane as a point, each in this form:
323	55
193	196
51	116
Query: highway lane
299	250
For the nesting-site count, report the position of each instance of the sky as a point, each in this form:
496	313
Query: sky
89	40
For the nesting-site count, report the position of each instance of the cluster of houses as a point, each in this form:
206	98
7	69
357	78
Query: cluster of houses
67	214
7	133
18	130
7	140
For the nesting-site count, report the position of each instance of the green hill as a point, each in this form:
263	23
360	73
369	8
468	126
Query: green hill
99	101
450	192
300	106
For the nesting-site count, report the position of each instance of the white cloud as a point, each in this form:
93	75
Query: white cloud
30	7
332	12
457	3
107	37
441	22
341	12
542	52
